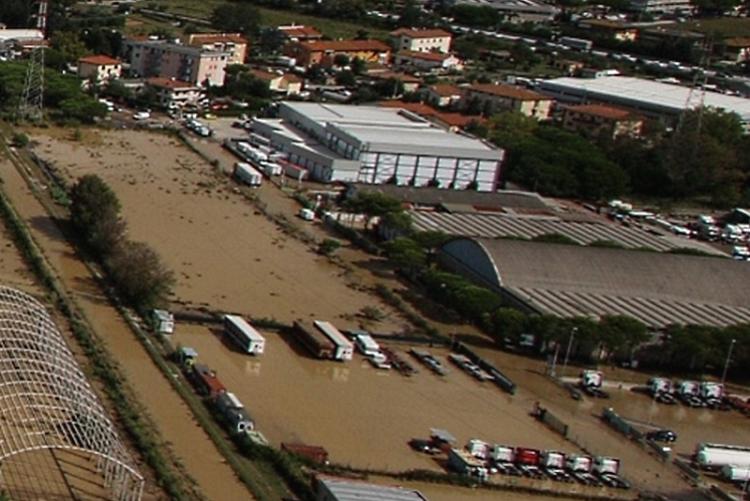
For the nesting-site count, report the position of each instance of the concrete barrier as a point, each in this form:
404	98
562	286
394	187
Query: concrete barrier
552	421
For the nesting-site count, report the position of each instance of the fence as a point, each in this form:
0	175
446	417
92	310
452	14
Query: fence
500	379
619	424
552	421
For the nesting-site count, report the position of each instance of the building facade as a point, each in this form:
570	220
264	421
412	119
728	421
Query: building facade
233	43
285	83
492	98
428	61
379	145
158	58
174	93
596	120
324	52
422	40
99	69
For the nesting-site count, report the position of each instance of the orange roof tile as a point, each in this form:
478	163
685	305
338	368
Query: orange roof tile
99	60
510	91
446	90
421	33
300	31
425	56
346	46
600	110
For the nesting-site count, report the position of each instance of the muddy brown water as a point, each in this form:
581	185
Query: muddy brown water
176	425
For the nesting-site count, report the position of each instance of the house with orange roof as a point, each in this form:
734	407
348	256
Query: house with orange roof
299	33
596	120
233	43
172	93
422	40
494	98
735	49
99	68
443	95
280	83
323	52
427	61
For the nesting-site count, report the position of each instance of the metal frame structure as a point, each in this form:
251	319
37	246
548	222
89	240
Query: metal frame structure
46	401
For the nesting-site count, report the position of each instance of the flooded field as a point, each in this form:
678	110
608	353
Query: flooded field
226	255
363	416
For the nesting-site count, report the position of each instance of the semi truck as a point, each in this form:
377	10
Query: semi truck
244	335
553	465
715	456
712	393
246	173
527	460
591	383
735	473
662	390
580	466
608	470
689	393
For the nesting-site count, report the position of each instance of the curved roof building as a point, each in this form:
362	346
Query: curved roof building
47	405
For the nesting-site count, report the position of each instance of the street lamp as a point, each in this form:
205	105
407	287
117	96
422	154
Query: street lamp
726	362
570	345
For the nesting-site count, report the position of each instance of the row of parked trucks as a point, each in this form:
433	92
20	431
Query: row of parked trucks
691	393
207	384
480	459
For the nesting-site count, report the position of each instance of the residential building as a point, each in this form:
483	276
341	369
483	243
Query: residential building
491	98
518	11
284	83
299	33
428	61
174	93
422	40
735	49
597	120
662	6
451	121
340	489
443	95
650	98
377	145
410	82
99	69
614	30
657	288
233	43
158	58
324	52
16	42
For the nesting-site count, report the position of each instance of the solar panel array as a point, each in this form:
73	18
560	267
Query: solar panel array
478	225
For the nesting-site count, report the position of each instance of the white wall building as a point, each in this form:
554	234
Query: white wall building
378	145
422	40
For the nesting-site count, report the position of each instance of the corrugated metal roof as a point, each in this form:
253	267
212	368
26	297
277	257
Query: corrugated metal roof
348	490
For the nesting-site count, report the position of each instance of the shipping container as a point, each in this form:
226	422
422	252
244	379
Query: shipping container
205	381
244	335
313	340
344	349
247	174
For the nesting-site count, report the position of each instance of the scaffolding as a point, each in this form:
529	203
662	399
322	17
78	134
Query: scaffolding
46	402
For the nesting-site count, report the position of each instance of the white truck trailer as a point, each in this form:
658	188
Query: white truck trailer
735	473
344	348
716	456
247	174
244	335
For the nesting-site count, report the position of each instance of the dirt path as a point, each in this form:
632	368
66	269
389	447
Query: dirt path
191	445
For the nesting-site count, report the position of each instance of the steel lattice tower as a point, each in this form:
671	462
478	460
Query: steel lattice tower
31	106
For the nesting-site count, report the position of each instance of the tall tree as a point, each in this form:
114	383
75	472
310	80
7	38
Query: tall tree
95	213
236	17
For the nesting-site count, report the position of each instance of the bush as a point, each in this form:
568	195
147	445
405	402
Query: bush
20	140
328	246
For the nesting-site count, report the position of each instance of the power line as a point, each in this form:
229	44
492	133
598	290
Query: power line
31	106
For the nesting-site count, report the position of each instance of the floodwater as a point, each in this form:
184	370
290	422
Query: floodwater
226	255
174	420
363	416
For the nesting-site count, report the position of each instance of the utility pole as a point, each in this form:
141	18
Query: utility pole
726	362
31	106
567	351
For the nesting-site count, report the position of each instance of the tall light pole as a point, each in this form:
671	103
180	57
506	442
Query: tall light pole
726	362
567	351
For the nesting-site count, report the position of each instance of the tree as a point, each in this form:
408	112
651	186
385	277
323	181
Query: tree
358	66
372	204
406	254
328	246
340	60
620	335
346	78
240	17
68	45
411	15
507	323
95	213
140	275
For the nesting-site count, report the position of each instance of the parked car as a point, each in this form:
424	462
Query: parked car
662	436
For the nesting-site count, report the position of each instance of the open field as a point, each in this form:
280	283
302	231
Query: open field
226	255
272	17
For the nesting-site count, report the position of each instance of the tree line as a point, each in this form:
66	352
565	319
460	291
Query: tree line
610	338
705	159
136	270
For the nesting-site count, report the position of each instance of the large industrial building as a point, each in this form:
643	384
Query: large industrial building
378	145
658	289
648	97
341	489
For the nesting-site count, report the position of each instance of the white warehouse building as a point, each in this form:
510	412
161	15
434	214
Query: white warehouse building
651	98
370	144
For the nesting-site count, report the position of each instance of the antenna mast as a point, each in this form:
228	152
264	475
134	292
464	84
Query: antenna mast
31	106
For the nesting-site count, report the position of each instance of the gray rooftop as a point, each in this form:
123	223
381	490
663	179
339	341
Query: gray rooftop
657	288
507	200
583	230
347	113
349	490
670	98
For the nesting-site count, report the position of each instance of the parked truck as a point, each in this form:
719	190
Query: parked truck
591	383
689	393
712	394
608	471
715	456
580	467
553	465
662	390
527	460
246	173
735	473
478	448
